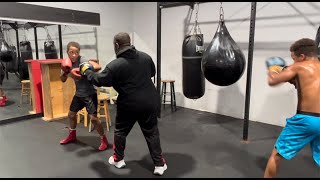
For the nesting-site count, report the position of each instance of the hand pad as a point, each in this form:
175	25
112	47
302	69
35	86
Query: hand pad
84	67
276	64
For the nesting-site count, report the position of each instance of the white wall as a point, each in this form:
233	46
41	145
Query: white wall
111	20
273	37
145	28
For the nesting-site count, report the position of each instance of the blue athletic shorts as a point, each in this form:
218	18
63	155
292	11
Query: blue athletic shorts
300	130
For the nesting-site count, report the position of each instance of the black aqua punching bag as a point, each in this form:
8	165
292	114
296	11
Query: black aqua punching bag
318	41
193	79
50	50
5	51
25	54
223	62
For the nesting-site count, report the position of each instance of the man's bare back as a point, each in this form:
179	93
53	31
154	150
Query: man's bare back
307	84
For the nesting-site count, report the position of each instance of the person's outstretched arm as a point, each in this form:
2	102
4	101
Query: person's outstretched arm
97	67
99	79
277	77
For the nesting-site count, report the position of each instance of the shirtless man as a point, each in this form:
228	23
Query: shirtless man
304	127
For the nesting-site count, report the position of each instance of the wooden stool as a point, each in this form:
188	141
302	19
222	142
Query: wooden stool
84	113
113	95
171	93
103	103
25	90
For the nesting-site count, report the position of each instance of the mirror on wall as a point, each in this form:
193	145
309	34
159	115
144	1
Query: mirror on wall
34	41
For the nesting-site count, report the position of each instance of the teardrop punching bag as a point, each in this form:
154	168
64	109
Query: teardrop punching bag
26	53
50	50
193	79
5	51
223	62
318	42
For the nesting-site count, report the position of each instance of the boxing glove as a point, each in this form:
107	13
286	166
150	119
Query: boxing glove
95	64
276	64
84	67
75	73
66	65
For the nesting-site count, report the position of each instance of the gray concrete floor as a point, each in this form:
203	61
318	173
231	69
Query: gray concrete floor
194	143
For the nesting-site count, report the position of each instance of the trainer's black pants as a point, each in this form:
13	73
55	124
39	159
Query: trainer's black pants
148	123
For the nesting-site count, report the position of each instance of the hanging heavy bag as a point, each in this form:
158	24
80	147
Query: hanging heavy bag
50	50
318	42
223	62
15	62
26	54
193	79
12	66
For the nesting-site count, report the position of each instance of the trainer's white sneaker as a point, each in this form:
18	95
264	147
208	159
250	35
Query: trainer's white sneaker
119	164
159	170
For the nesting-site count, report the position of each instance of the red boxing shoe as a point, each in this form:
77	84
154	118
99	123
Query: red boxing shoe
5	98
70	138
104	143
2	103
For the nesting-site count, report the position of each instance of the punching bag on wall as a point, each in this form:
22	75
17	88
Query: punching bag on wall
193	80
15	61
50	50
318	41
223	62
12	66
26	53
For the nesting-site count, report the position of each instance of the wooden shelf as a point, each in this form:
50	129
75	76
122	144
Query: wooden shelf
57	96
